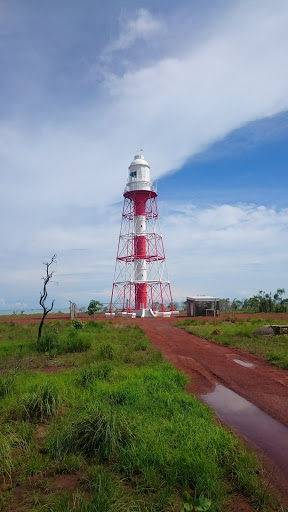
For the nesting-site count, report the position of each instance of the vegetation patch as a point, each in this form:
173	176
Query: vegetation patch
7	382
94	432
117	433
239	332
39	404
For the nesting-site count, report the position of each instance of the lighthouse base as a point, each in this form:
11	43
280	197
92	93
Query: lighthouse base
149	313
145	313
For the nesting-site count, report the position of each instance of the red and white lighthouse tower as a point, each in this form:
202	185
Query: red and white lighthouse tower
141	285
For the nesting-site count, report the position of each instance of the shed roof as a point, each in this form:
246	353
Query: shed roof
202	298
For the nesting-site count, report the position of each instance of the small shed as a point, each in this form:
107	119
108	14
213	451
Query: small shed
202	305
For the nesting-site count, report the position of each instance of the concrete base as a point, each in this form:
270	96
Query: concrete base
143	313
125	314
162	314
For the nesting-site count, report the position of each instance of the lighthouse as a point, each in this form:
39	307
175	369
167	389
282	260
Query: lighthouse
141	287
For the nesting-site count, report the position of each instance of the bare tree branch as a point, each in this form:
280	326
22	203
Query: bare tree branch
44	293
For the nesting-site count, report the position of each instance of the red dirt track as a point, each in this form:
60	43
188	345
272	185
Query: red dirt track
208	364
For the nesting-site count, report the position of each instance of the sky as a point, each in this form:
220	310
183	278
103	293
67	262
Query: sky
202	87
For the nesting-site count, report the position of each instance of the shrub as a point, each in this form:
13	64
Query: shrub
77	324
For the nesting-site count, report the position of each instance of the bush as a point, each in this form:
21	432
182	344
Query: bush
77	324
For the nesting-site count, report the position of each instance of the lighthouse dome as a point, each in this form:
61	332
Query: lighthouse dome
139	160
138	174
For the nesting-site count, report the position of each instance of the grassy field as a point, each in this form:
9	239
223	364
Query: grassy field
113	431
238	332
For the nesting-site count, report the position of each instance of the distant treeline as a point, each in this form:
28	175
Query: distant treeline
262	302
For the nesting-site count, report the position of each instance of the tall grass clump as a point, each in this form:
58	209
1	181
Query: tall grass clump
7	382
6	460
92	324
39	404
48	342
74	343
53	343
90	374
165	378
106	351
94	432
105	491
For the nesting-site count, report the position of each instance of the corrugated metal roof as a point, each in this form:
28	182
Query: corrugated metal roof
202	298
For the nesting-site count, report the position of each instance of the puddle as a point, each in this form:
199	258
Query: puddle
269	435
242	363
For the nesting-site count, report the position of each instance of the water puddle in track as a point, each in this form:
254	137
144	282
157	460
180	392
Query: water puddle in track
243	363
269	435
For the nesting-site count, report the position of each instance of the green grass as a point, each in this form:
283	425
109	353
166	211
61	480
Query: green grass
238	332
121	421
6	384
40	404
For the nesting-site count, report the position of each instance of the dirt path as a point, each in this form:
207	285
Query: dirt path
208	364
263	385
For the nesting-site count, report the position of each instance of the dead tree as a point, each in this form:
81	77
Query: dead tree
44	294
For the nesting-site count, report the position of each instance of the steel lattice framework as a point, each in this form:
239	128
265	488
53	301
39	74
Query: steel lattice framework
140	249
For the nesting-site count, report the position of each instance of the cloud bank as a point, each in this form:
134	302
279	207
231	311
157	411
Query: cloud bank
65	149
226	250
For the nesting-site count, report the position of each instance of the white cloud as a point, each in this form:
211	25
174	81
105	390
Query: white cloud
222	253
55	167
221	250
142	25
173	108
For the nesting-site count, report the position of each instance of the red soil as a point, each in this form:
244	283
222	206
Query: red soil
207	363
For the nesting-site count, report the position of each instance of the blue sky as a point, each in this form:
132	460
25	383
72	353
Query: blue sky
202	87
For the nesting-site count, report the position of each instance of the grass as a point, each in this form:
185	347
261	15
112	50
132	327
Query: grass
121	421
96	431
6	461
238	332
40	404
6	384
